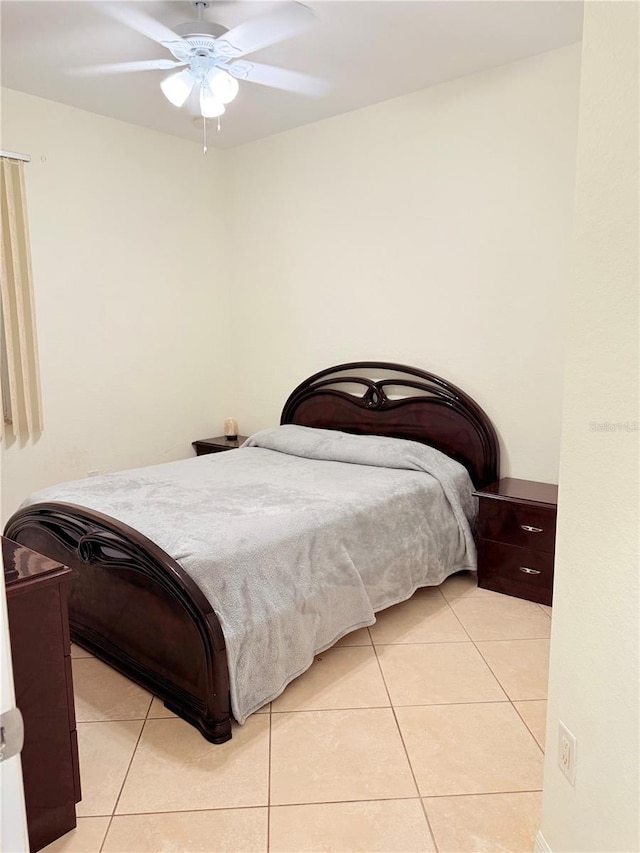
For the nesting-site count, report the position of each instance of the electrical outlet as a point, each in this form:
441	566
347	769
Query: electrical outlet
567	747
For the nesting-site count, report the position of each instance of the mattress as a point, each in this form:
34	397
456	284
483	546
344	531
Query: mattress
296	539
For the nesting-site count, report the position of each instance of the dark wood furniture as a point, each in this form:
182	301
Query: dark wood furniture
217	444
40	650
516	538
134	606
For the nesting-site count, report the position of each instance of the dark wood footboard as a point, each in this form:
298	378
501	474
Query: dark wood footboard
134	607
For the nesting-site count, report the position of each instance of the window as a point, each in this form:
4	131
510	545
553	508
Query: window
19	373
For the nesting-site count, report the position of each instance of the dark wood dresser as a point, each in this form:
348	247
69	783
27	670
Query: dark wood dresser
40	651
516	538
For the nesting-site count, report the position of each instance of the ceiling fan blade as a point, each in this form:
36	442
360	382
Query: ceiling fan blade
126	67
264	30
138	21
279	78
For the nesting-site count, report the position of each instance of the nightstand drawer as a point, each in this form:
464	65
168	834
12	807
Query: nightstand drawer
516	571
517	524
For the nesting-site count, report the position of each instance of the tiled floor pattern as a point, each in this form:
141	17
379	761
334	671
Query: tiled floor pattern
423	733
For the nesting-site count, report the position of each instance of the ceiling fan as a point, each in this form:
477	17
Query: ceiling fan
209	54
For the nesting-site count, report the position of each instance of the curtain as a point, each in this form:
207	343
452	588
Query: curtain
19	374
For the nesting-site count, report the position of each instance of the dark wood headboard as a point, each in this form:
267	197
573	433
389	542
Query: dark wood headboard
382	398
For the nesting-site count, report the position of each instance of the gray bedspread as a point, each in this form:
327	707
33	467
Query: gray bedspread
297	538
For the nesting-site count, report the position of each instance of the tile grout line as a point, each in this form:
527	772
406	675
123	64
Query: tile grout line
398	705
475	645
124	780
505	640
118	720
471	640
404	746
319	803
481	794
457	618
489	598
504	689
540	747
269	779
506	699
428	643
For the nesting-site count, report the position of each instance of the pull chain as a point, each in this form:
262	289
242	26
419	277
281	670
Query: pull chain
204	134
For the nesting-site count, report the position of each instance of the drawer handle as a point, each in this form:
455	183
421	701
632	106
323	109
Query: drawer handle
531	529
528	571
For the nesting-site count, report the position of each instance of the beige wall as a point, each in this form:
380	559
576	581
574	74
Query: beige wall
173	289
431	229
131	293
593	685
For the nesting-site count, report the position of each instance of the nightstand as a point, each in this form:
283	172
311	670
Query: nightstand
217	444
516	538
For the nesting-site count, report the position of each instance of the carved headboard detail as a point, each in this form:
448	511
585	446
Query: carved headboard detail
383	398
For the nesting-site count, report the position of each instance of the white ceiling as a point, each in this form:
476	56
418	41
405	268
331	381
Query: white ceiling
367	50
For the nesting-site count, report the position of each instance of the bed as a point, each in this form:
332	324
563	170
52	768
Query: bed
143	609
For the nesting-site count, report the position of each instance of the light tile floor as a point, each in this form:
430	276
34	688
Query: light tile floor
423	733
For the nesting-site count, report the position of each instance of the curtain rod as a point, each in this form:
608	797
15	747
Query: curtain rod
11	155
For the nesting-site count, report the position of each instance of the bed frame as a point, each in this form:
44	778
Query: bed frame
134	607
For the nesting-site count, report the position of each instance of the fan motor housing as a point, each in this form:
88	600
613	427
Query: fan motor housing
197	39
204	29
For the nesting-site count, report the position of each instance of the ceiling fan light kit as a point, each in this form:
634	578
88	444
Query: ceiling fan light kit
210	53
177	88
223	86
217	88
210	106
